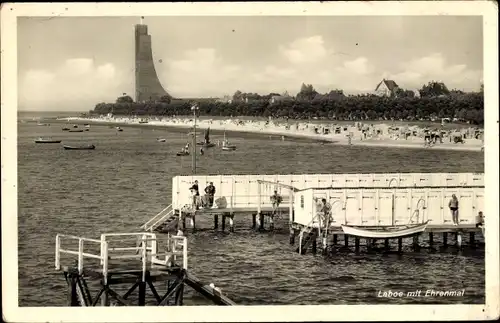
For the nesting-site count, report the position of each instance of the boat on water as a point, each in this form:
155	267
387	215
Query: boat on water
183	153
43	124
385	232
226	145
75	130
65	129
80	147
206	143
75	126
119	129
86	125
47	141
161	139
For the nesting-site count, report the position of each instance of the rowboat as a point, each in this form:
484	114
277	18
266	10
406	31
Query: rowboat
183	153
161	139
83	147
385	232
76	130
46	141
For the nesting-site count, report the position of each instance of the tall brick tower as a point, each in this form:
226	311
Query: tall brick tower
147	84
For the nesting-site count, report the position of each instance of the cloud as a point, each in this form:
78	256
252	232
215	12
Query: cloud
434	67
305	50
77	84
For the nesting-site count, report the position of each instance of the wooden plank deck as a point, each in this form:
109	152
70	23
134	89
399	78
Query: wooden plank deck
241	210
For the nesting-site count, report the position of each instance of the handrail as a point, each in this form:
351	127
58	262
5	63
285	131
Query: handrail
144	226
159	221
147	252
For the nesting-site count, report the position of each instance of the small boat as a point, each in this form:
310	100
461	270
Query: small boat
65	129
206	143
75	126
161	139
82	147
385	232
119	129
86	125
183	153
226	146
76	130
47	141
43	124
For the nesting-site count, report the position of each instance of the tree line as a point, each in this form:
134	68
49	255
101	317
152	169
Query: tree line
435	102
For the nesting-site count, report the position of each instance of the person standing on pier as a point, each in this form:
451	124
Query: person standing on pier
195	193
325	210
275	200
453	205
210	193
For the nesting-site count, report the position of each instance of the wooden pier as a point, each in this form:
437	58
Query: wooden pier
364	200
131	259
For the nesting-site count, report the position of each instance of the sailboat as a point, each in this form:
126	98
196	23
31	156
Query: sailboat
386	232
226	146
206	143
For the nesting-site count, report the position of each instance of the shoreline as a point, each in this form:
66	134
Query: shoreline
259	129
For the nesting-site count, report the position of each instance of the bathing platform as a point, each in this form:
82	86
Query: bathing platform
131	260
360	200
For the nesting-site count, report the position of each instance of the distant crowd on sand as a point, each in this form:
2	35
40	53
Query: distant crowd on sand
356	131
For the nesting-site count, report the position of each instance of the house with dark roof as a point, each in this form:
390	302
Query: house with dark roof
386	88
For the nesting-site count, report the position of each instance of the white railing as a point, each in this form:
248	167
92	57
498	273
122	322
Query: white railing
145	250
158	219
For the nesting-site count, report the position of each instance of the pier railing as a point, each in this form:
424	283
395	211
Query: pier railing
158	219
137	246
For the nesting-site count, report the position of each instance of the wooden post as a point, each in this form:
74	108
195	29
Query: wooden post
431	238
458	239
472	241
261	221
445	239
356	244
335	237
231	223
193	222
346	240
216	221
179	295
315	245
400	244
415	242
72	295
223	222
142	293
184	223
105	294
386	244
254	221
271	222
292	236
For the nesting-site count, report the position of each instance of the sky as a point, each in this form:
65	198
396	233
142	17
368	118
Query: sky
73	63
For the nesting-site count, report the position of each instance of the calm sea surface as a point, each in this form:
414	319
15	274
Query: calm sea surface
127	180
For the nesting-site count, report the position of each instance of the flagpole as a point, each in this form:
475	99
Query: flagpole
194	108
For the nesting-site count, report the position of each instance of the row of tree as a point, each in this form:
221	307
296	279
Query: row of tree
308	93
467	107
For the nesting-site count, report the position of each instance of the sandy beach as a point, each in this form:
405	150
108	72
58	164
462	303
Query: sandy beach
358	134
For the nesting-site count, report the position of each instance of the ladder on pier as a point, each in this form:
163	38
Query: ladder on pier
304	241
166	220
